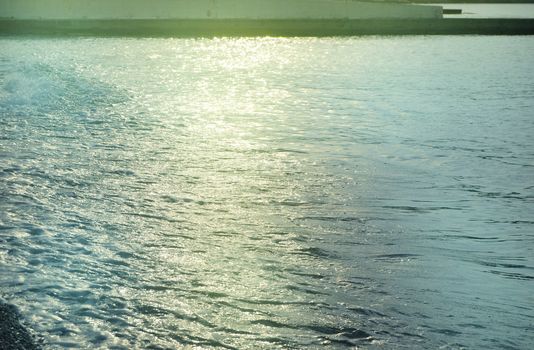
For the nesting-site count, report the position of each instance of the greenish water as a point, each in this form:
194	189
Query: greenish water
269	193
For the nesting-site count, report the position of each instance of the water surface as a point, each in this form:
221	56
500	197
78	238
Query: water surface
269	193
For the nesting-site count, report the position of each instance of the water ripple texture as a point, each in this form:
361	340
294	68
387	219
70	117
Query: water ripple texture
269	193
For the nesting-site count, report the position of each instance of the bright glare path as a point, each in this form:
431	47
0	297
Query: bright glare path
269	193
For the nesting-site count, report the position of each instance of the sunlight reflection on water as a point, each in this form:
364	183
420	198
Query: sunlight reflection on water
261	193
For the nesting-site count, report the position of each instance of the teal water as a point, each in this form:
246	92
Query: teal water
370	192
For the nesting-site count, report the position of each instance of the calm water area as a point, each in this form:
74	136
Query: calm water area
264	193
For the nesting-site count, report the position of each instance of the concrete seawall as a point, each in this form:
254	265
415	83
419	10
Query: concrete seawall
311	27
208	18
211	9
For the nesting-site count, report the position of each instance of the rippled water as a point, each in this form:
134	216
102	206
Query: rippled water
269	193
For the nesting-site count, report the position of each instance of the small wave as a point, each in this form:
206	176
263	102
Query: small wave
446	331
279	302
39	87
304	290
505	265
418	209
395	257
365	311
315	252
513	275
272	324
350	337
476	238
307	275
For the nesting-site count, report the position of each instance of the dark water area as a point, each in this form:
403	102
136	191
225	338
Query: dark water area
372	192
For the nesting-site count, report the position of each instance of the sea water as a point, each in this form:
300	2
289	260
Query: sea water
262	193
